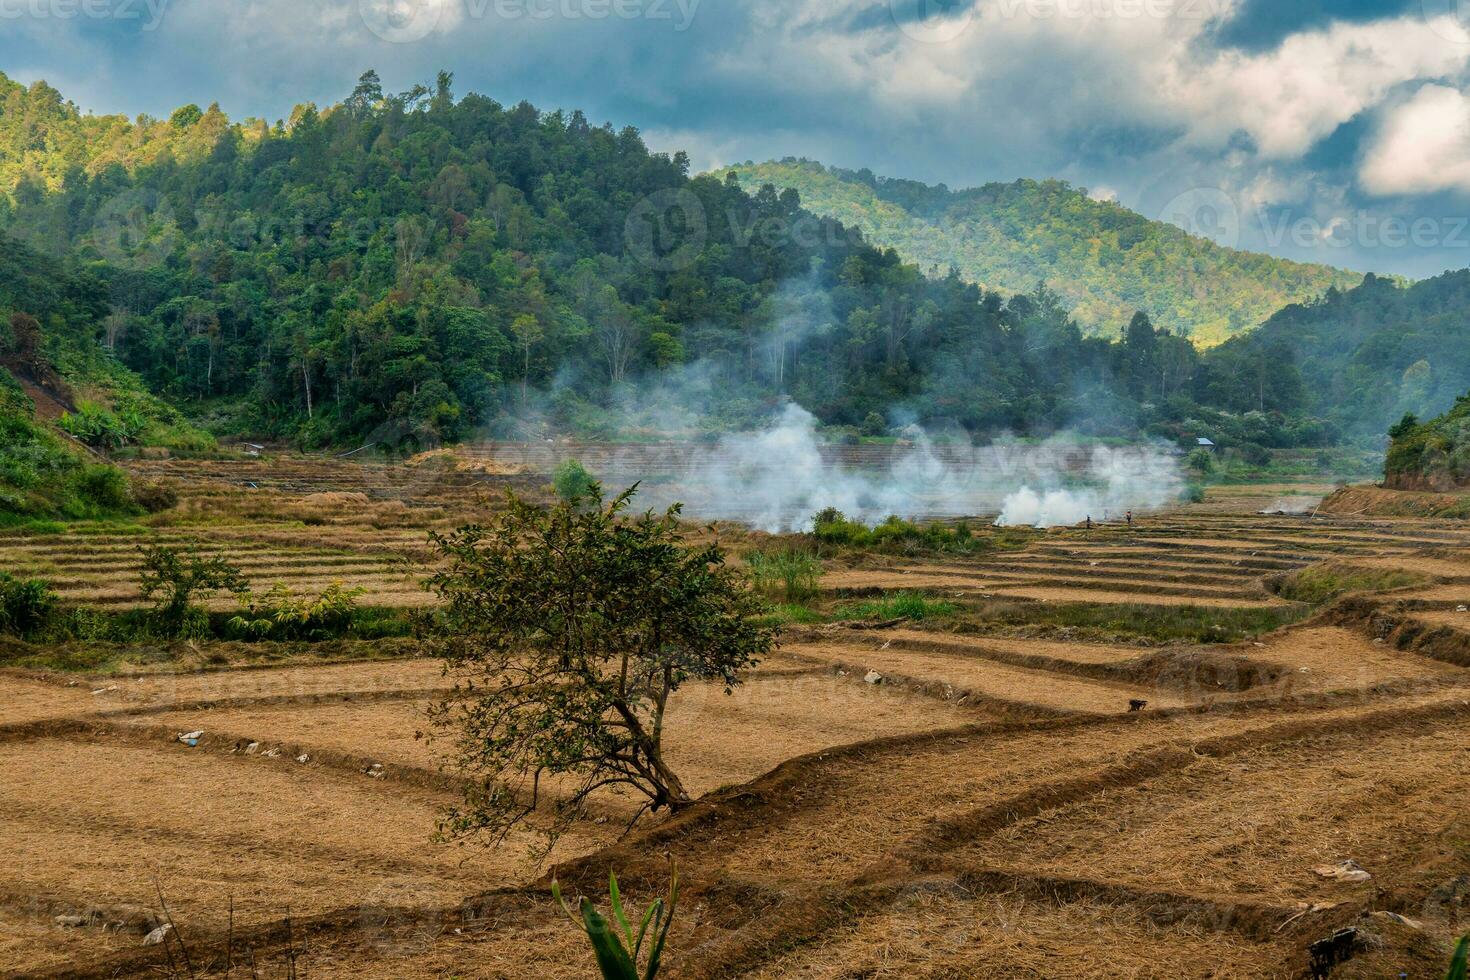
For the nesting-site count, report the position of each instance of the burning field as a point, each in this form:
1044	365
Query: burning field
1195	746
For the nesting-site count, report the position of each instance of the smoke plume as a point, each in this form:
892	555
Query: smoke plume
777	477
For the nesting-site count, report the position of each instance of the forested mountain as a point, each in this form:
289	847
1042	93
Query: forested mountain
409	267
1104	260
1365	357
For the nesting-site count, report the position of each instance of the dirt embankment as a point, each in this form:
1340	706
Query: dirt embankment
50	395
1371	501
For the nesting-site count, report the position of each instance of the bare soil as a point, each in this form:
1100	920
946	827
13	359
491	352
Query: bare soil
992	808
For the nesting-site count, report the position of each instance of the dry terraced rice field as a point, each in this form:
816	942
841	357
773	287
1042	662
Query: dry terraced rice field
959	798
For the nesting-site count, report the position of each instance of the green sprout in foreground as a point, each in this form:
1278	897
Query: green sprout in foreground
1461	962
618	955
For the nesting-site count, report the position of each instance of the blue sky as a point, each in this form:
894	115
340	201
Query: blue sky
1335	131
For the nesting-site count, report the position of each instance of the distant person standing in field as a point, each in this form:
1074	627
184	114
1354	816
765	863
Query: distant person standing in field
1130	518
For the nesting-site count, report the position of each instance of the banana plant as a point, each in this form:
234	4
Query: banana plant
1461	962
617	949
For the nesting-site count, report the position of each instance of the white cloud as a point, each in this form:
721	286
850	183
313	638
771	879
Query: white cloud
1291	98
1422	147
1152	70
1130	97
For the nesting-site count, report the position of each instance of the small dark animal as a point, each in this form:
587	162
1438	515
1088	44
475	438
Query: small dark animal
1137	704
1333	951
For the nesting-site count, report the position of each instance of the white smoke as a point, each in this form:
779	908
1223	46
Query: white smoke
1114	482
777	478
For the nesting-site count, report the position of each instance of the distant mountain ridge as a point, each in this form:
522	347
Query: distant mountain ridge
1369	355
1106	261
402	269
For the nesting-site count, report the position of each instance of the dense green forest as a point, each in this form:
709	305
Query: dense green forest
1364	357
1104	260
412	267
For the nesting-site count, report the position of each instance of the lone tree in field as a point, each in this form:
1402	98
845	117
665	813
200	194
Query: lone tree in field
571	628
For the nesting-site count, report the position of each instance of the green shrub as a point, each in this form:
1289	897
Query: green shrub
280	614
172	580
571	480
1192	494
26	605
832	527
1113	622
101	489
102	428
790	575
1201	461
900	605
1254	454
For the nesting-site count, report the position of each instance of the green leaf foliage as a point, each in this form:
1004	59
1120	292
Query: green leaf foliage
571	629
1104	260
618	956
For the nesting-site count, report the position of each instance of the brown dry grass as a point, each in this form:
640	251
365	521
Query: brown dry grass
1444	617
946	933
161	690
860	808
1050	594
992	680
1255	825
23	699
102	822
1331	656
996	580
1378	502
1437	565
31	940
712	739
817	860
1079	652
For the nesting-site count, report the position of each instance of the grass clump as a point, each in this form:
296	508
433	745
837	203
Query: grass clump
26	605
899	605
834	529
1134	622
790	575
618	952
1317	584
791	614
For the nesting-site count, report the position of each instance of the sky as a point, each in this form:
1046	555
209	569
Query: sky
1334	131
